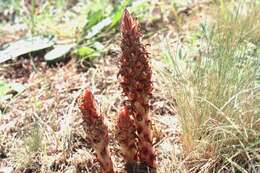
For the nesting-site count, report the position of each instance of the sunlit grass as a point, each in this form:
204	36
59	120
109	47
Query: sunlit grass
217	96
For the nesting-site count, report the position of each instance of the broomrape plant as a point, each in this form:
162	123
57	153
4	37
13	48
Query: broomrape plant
133	127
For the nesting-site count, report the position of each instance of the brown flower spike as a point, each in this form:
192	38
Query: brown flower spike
97	131
135	74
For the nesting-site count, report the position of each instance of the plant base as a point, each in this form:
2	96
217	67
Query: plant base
138	167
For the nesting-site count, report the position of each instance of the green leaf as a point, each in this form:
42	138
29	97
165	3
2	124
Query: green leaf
4	87
117	14
25	46
58	52
93	18
87	53
99	27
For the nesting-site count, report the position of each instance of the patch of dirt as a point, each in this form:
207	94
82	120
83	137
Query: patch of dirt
20	70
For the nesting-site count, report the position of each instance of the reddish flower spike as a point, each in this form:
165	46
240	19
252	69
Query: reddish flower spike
135	78
126	136
97	131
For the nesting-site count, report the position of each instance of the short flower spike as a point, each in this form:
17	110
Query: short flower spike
126	135
97	131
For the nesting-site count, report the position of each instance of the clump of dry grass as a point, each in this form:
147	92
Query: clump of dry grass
217	96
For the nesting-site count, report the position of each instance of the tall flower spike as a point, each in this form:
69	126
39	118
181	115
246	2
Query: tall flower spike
135	73
97	131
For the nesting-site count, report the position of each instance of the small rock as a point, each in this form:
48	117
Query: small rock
6	170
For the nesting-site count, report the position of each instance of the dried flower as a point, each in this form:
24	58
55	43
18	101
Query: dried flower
135	73
97	131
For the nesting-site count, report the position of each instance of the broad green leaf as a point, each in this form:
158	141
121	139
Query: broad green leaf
25	46
58	52
98	27
87	53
